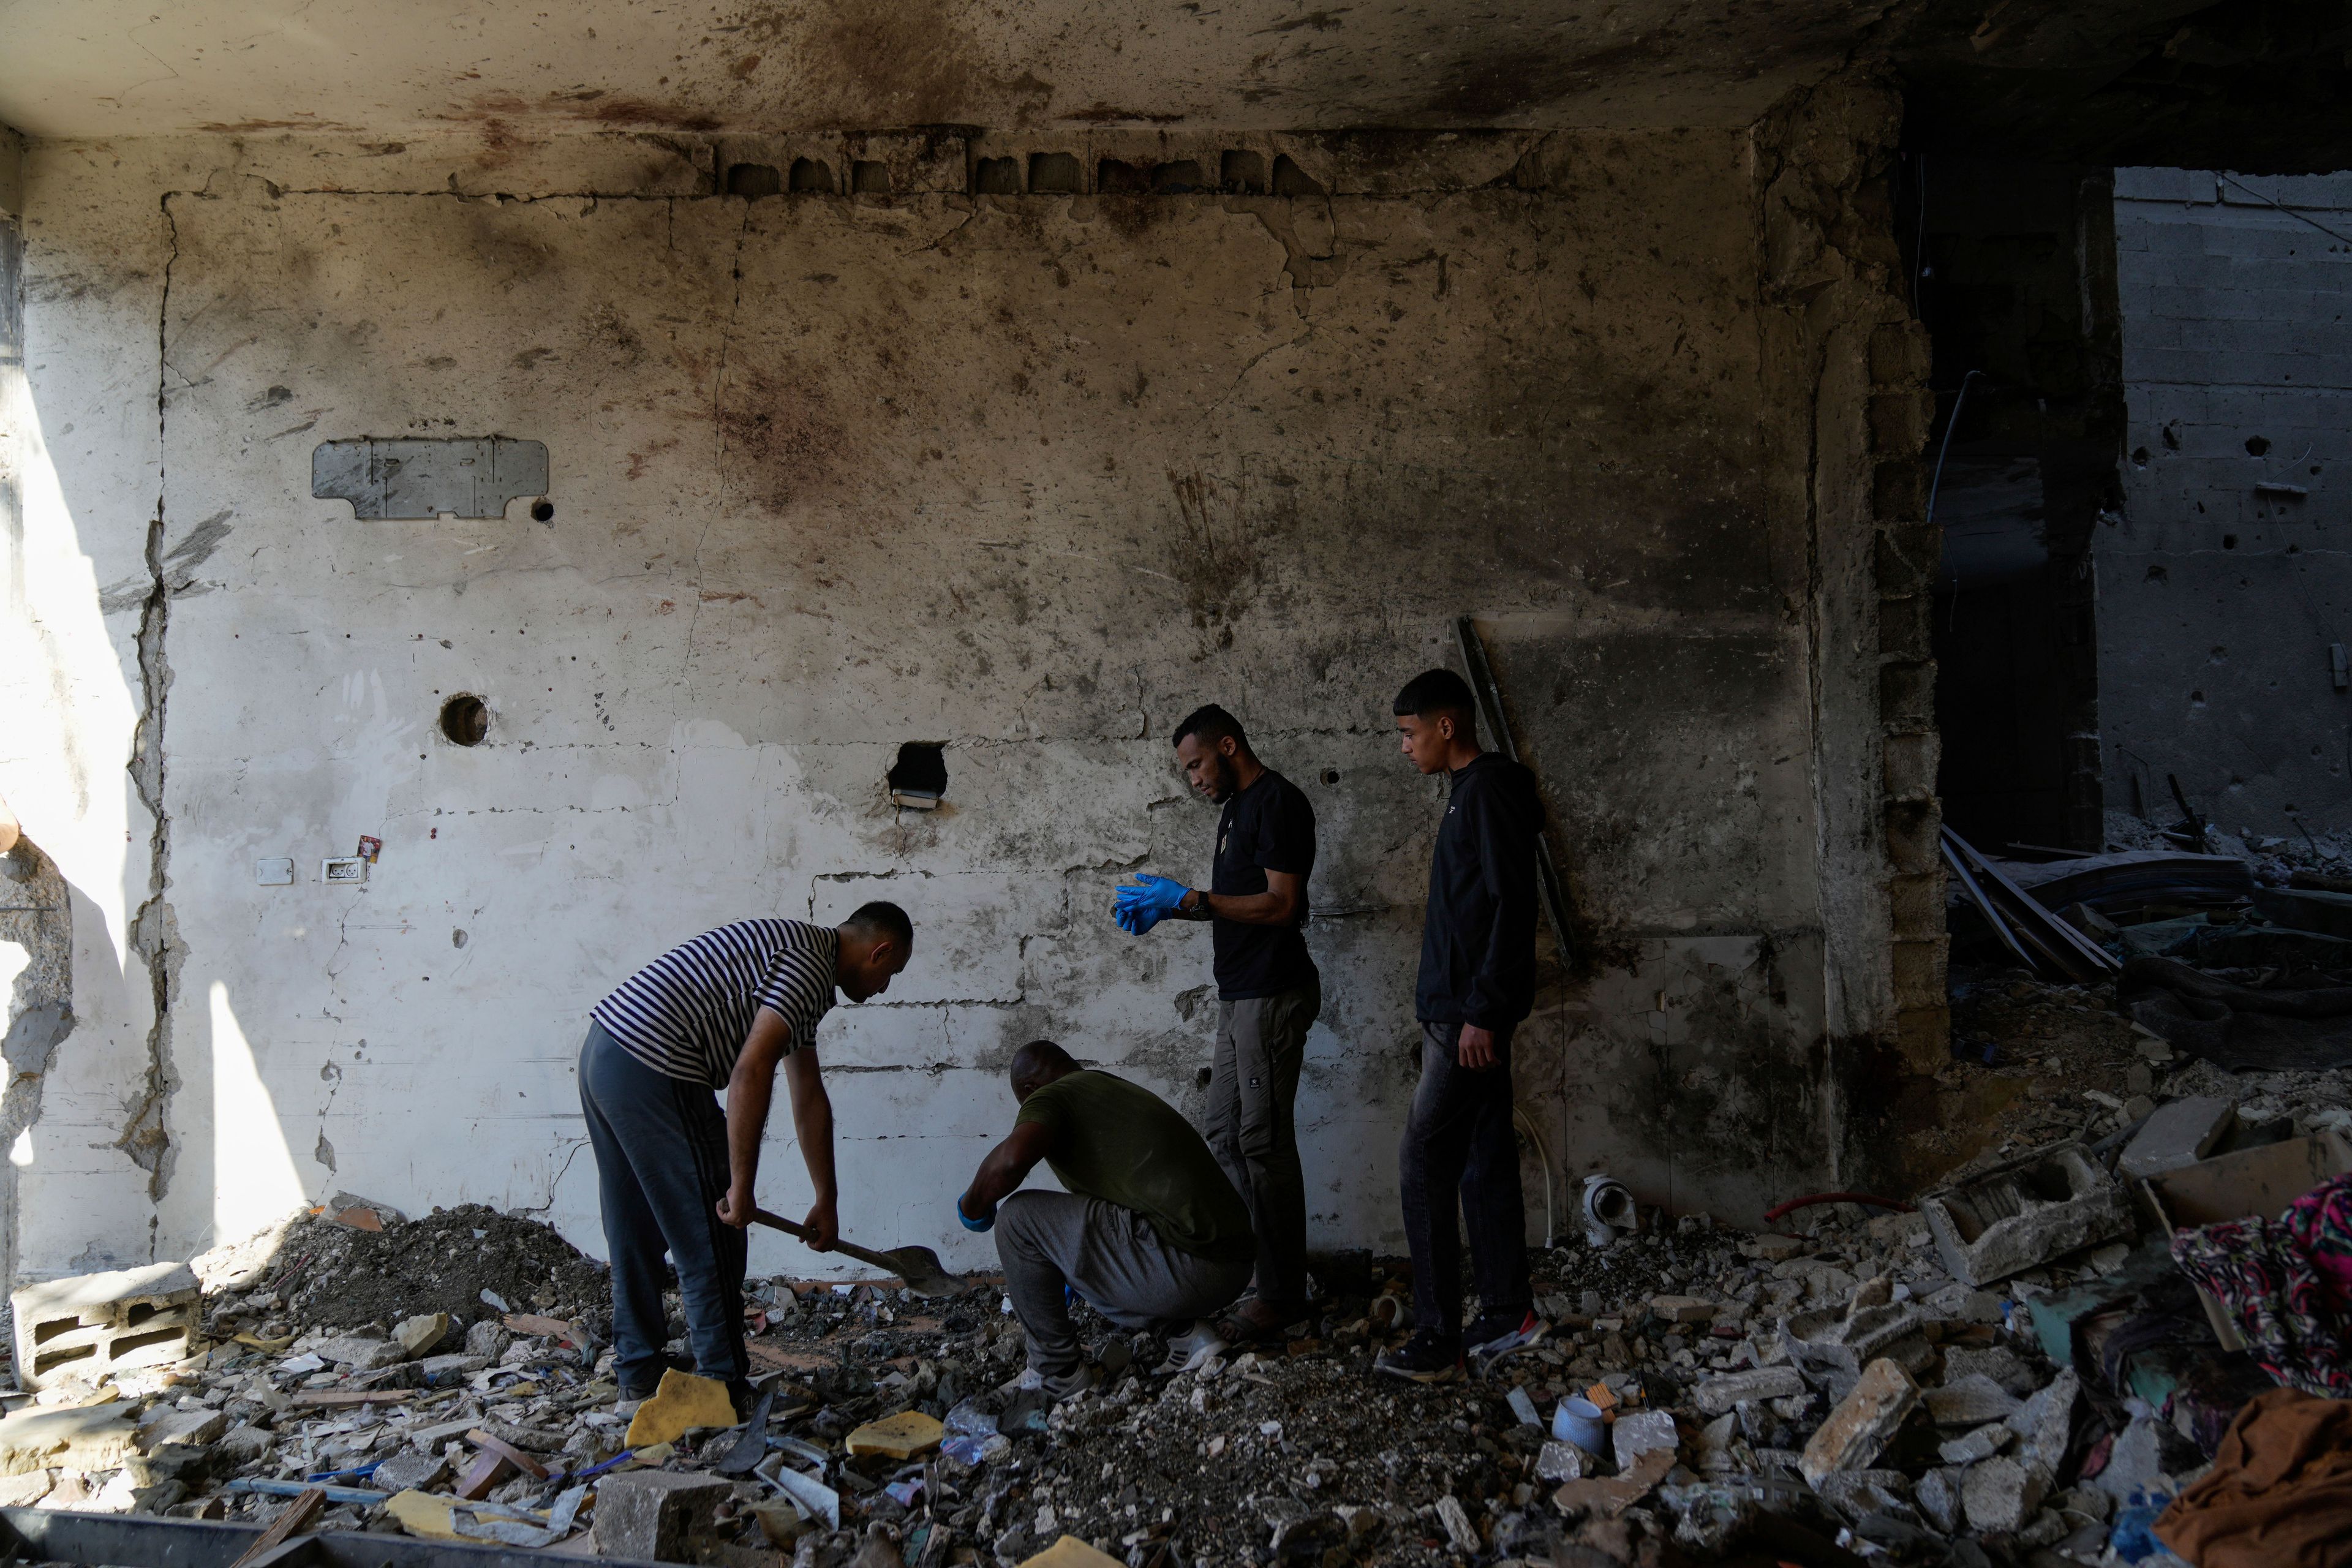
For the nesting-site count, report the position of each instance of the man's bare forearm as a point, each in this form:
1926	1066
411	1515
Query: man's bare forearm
813	1122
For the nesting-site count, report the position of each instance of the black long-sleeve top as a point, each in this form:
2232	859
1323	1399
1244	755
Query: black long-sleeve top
1478	937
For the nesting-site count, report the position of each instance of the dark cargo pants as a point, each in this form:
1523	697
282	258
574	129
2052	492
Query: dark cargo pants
1253	1089
1458	1139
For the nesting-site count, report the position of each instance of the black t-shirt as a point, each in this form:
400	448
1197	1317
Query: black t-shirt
1268	826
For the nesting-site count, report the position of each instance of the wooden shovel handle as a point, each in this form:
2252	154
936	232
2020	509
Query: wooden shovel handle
881	1260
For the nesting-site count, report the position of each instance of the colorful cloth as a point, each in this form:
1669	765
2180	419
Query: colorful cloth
2271	1287
2321	1223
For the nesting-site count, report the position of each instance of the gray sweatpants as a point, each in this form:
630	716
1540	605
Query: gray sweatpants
1253	1087
1112	1256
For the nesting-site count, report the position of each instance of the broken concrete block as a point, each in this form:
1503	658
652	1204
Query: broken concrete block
658	1516
1857	1494
363	1352
2004	1366
1937	1499
419	1334
2021	1215
437	1367
1712	1450
1999	1496
1458	1528
2179	1132
1776	1249
411	1469
1970	1446
488	1339
1683	1308
1648	1432
2046	1424
92	1324
96	1437
245	1446
680	1403
1608	1498
1561	1461
2135	1463
1864	1423
1718	1394
182	1427
1970	1401
1830	1348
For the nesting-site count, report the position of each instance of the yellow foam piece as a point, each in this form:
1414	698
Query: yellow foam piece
1071	1553
426	1514
905	1436
682	1403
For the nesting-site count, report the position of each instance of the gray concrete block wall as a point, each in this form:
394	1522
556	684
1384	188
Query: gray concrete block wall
2220	601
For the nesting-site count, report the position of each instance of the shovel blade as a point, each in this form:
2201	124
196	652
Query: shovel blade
925	1275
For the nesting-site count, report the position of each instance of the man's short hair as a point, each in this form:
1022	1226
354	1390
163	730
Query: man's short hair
1210	722
1039	1057
1435	691
883	919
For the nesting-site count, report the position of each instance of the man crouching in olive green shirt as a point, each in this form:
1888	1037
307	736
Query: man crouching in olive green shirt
1150	1232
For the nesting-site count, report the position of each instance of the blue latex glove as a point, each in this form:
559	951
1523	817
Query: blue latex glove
1148	900
988	1222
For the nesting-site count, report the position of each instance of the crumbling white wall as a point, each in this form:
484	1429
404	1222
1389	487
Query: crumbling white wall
2224	592
1030	476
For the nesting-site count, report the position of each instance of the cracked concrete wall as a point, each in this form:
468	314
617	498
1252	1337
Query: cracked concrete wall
1027	475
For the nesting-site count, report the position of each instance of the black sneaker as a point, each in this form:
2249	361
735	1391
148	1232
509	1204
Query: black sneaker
1499	1333
1427	1357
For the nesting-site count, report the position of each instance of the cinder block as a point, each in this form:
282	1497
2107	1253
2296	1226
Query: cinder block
1898	423
1924	1038
1912	832
1907	766
1918	973
1864	1423
2022	1214
1900	355
1899	490
94	1323
1906	696
1914	905
1904	628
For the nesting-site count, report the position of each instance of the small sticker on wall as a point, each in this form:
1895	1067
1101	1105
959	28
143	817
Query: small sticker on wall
343	869
272	873
370	848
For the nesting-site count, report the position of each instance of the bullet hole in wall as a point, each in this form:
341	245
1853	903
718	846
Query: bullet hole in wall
2256	445
1330	776
920	777
465	720
543	512
811	178
1054	173
753	180
2228	542
2139	456
458	938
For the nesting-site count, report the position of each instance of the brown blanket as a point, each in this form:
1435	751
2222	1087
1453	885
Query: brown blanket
2279	1494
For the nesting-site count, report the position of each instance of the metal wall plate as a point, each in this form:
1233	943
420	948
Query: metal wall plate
274	871
457	476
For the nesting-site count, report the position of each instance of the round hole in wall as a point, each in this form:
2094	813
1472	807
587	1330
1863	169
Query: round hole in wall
465	720
1330	776
543	512
2228	542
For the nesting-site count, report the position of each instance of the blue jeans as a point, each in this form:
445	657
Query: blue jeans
1458	1138
661	1169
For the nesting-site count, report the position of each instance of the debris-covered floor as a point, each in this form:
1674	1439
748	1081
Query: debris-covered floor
455	1362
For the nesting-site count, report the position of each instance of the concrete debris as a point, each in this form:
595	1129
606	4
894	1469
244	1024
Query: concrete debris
658	1516
1999	1495
2179	1132
1646	1432
1969	1401
1864	1423
1718	1394
2018	1216
90	1324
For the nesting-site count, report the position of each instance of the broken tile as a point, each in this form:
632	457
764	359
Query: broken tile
1560	1461
1864	1423
1608	1498
1648	1431
2177	1133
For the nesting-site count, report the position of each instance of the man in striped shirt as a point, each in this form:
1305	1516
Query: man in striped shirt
674	1174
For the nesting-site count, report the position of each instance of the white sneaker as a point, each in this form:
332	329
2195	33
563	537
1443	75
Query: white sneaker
1187	1352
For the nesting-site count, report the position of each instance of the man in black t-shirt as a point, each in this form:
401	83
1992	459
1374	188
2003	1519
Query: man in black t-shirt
1269	991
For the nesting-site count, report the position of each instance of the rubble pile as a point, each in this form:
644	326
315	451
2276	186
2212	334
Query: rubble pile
2015	1372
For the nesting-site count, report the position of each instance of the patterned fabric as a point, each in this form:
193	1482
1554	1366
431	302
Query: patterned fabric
687	1013
2321	1223
2266	1282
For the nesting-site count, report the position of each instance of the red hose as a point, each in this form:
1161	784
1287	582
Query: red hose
1772	1214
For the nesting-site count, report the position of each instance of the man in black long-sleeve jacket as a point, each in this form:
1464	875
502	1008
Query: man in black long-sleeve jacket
1477	982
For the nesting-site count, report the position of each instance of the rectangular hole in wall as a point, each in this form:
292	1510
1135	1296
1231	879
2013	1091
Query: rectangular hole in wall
1181	178
996	177
49	1362
1242	173
1055	173
753	180
811	178
125	1344
1114	177
1290	180
869	178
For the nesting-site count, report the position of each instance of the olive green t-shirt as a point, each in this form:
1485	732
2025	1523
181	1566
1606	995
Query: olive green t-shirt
1120	1142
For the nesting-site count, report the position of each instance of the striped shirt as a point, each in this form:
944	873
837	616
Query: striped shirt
688	1013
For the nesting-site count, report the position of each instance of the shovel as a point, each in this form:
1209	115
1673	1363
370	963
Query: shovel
920	1266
